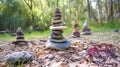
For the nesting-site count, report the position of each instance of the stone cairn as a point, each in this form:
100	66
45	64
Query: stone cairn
19	37
76	32
86	29
56	39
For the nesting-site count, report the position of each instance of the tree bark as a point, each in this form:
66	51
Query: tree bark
57	3
118	6
106	8
111	9
99	11
30	5
88	8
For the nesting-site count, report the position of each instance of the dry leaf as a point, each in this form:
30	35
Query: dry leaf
40	52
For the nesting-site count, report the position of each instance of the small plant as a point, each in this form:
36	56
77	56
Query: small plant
101	52
18	63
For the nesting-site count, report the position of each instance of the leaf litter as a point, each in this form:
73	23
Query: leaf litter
77	55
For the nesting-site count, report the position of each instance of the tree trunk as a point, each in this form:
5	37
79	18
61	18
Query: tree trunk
70	11
106	8
30	5
88	8
99	11
118	6
57	3
111	9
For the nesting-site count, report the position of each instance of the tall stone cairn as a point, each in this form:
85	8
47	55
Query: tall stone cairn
56	39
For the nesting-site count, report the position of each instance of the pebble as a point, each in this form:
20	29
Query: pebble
61	52
51	56
2	47
83	53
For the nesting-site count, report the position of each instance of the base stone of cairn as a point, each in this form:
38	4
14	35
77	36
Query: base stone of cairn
86	30
56	39
76	32
20	39
58	45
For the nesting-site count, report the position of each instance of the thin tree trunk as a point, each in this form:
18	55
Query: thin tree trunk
88	8
57	3
111	9
99	11
30	5
48	2
70	11
118	6
106	8
63	12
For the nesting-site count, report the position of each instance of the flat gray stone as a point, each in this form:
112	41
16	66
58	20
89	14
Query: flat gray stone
57	45
57	39
59	32
19	57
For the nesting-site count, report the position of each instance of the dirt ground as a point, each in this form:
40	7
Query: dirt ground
70	57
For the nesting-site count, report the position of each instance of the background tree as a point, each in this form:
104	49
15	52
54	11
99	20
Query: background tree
88	8
31	13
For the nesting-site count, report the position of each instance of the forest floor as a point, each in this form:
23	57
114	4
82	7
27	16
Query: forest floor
70	57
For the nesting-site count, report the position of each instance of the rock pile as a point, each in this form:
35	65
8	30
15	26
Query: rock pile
56	39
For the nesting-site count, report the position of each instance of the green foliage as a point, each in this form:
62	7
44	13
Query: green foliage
13	15
4	35
16	13
107	25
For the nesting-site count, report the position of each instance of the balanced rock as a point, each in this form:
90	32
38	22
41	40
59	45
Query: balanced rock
76	32
19	37
57	45
86	30
57	32
56	39
19	57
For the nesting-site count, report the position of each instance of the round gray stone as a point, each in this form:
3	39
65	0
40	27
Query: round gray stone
19	57
57	45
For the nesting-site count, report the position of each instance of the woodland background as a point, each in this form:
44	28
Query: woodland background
30	14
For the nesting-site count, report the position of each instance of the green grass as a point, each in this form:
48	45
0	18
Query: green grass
67	32
5	38
38	35
106	25
4	35
102	28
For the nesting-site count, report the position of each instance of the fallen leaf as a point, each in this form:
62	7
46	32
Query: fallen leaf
40	52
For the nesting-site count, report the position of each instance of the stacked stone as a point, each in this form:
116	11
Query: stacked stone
19	35
86	30
57	27
20	39
76	32
56	39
